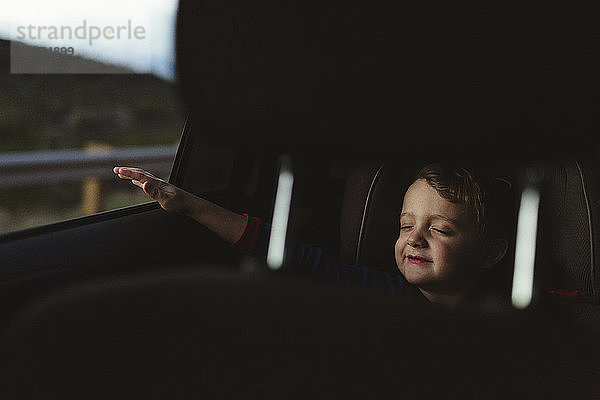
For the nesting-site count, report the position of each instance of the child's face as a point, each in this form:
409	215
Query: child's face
438	249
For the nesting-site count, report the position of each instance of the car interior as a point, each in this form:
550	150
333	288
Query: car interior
140	303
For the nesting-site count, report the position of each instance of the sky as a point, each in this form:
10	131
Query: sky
138	34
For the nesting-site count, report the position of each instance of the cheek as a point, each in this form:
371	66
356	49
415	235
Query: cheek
444	256
398	250
452	258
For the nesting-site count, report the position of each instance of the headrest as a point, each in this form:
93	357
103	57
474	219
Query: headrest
380	74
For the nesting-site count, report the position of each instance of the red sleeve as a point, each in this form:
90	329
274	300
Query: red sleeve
246	242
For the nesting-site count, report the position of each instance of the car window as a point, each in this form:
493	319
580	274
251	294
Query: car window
81	91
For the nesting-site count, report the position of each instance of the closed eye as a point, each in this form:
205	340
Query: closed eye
405	227
442	231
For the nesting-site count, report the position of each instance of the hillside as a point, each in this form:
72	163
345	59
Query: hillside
48	111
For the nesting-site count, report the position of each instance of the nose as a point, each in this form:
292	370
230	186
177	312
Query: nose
416	239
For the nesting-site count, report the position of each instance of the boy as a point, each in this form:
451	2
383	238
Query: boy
450	232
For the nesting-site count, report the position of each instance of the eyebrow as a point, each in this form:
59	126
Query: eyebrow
448	219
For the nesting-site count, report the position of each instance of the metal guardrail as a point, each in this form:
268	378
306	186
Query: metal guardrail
27	168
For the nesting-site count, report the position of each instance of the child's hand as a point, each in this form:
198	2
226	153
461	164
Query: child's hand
170	197
226	224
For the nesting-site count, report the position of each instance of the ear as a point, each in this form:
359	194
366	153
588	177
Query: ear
495	250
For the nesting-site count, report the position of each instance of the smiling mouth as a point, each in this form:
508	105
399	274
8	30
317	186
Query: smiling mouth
417	260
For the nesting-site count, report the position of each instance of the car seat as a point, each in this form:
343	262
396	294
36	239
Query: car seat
569	222
369	224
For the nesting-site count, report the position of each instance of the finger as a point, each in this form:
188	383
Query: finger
126	170
134	173
117	170
142	178
137	183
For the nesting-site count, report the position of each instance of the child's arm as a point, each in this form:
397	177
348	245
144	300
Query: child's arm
226	224
251	235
